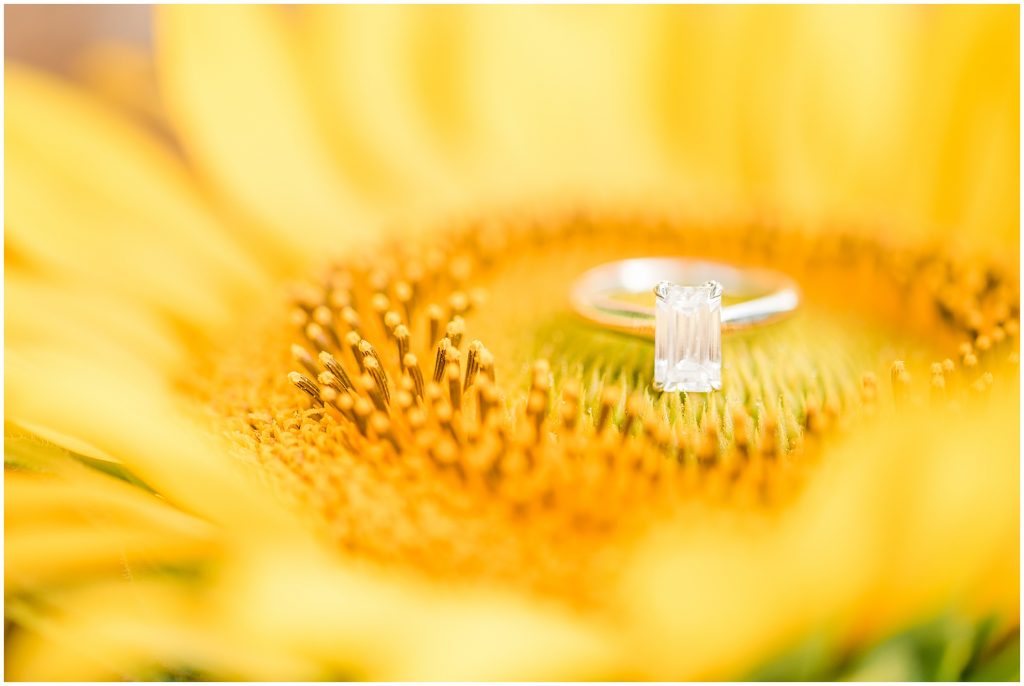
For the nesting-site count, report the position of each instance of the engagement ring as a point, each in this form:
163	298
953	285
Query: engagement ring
687	318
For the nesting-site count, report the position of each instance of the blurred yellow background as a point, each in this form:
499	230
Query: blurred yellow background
903	116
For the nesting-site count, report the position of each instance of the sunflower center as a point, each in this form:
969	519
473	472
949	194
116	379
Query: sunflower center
435	406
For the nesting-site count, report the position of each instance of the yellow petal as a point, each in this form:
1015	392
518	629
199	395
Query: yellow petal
103	329
91	196
71	520
948	515
561	99
698	100
61	554
129	629
85	496
901	524
97	323
133	415
385	81
966	126
69	442
230	78
393	627
893	114
122	73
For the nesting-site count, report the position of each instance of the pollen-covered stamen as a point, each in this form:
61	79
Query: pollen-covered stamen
334	367
377	279
440	360
458	303
541	375
338	298
536	408
352	320
447	419
455	384
472	363
445	452
380	379
412	368
362	409
770	436
900	381
340	401
485	395
391	320
631	415
352	341
656	434
318	337
369	385
404	295
306	385
401	337
434	395
609	399
404	401
570	404
380	305
328	394
485	364
323	316
741	429
306	296
367	350
345	404
434	316
814	416
537	402
300	355
298	318
380	425
328	380
455	330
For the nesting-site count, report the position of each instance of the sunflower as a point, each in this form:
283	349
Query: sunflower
293	391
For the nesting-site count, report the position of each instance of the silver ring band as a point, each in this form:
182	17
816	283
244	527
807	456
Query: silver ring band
765	295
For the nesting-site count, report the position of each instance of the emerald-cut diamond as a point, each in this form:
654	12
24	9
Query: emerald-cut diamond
688	337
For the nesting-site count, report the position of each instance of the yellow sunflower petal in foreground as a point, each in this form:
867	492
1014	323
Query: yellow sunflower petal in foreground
308	403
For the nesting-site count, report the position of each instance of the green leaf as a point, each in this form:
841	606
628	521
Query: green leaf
938	650
946	648
1001	665
892	661
813	659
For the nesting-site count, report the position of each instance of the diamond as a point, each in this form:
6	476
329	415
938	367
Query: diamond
688	337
